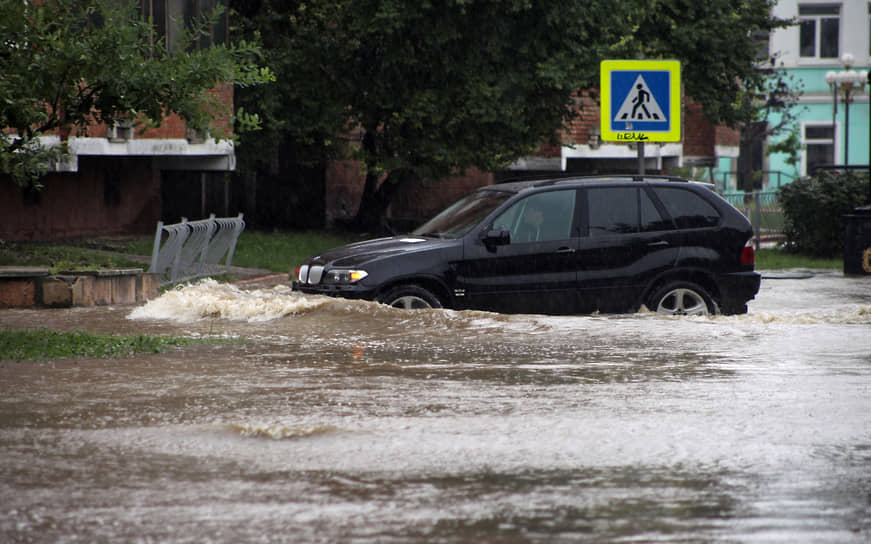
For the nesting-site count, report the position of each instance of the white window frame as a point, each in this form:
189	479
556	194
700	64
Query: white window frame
836	13
834	141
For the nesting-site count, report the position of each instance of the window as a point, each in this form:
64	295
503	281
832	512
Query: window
541	217
168	16
819	144
689	210
819	31
622	210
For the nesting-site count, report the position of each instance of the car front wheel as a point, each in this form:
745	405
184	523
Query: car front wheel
410	297
682	298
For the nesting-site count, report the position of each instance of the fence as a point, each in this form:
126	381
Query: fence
194	249
763	209
768	178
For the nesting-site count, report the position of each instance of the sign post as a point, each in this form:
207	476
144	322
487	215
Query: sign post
641	102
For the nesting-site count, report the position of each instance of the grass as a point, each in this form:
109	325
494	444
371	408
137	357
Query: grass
284	251
274	251
62	256
42	344
776	259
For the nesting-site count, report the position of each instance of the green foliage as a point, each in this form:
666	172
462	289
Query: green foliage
18	345
68	63
426	88
789	144
814	209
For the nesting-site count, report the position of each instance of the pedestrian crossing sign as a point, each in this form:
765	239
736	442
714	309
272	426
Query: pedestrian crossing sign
640	100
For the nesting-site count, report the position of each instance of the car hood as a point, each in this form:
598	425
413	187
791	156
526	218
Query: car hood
363	252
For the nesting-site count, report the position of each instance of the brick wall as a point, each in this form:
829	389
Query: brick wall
587	122
106	196
698	133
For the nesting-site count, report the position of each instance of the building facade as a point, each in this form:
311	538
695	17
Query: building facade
831	129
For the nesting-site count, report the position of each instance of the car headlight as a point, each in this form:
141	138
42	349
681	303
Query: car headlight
341	275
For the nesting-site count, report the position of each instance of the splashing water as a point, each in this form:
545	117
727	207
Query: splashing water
210	299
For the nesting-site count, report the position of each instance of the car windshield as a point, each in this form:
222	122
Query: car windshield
461	216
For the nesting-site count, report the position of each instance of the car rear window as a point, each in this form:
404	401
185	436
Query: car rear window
689	210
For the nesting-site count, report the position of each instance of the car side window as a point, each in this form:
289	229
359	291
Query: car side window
539	217
613	210
689	210
651	219
623	210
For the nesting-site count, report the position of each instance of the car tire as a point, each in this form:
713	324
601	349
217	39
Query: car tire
682	298
410	297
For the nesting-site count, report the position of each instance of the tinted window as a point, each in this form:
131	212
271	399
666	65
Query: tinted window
539	217
651	219
688	209
616	210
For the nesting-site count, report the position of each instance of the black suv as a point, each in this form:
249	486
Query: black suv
560	246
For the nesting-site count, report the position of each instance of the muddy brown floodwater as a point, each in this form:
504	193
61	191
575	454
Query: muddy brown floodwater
320	420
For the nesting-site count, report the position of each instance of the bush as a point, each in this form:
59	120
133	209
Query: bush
814	209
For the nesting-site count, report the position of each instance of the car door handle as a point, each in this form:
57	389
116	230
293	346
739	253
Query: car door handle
564	250
659	243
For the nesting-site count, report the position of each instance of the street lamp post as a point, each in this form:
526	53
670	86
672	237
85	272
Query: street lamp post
847	82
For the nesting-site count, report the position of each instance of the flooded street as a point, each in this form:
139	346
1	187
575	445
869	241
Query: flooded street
321	420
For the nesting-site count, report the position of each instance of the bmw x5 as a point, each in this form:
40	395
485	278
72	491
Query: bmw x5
609	244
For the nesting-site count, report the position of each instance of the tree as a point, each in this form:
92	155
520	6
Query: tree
720	43
65	64
432	87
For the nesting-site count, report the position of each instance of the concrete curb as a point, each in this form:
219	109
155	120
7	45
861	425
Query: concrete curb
25	287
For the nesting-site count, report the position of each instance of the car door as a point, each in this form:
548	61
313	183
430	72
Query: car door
531	270
626	240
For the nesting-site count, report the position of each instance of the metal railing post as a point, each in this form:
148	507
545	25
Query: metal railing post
757	218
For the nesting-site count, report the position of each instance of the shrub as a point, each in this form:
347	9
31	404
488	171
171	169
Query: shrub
814	209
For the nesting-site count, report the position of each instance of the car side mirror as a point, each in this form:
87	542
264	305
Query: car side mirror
493	238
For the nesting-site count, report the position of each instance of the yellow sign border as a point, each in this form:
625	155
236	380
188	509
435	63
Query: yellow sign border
675	113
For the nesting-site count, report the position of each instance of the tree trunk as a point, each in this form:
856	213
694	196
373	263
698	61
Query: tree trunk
377	197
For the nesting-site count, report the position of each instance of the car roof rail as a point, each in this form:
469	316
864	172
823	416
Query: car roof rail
633	177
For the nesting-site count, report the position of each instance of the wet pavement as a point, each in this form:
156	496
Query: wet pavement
321	420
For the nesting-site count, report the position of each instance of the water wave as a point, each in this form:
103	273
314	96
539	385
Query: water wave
279	432
848	314
211	299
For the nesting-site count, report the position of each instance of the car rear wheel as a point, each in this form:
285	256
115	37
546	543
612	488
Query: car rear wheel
682	298
410	297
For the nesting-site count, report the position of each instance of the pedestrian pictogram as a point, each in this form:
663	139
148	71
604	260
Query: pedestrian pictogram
640	101
639	104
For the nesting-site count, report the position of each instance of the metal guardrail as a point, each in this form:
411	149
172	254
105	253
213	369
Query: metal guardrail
764	211
194	249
